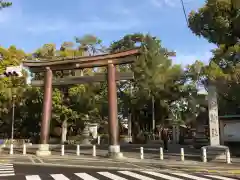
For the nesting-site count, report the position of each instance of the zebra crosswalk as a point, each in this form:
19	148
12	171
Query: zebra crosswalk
128	175
6	170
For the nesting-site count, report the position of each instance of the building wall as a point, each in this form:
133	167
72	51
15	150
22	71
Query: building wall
229	131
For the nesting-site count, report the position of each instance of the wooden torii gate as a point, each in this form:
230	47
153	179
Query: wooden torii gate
79	63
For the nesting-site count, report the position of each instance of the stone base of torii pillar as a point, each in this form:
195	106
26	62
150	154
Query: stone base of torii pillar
114	152
43	150
216	152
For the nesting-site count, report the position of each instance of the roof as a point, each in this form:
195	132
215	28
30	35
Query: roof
123	57
230	117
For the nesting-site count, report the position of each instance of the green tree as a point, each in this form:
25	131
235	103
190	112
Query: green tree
4	4
90	44
218	22
154	76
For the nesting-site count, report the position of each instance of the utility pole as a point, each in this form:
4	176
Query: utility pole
11	72
130	117
13	117
153	113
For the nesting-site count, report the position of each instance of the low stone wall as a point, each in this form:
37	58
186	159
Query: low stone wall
15	141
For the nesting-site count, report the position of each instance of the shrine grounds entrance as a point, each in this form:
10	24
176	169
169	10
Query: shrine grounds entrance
79	63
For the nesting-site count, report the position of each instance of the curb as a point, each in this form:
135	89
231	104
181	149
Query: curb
232	171
82	166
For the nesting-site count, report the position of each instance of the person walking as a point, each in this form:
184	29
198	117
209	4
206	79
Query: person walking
165	138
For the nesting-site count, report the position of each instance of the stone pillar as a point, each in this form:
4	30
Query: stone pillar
114	148
93	128
176	133
46	114
174	141
215	150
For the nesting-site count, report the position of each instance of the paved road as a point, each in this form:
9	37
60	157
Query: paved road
34	172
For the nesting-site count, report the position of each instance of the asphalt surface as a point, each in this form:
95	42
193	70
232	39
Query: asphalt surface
36	172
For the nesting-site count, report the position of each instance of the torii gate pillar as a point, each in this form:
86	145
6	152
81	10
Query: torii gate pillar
46	115
113	128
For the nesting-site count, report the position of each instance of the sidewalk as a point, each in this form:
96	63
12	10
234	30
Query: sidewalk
132	156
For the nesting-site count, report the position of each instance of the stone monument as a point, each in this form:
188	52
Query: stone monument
214	150
86	135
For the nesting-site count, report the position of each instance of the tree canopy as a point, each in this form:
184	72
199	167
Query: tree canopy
171	88
218	22
4	4
155	76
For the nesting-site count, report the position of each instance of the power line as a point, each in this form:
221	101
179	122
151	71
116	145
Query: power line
184	11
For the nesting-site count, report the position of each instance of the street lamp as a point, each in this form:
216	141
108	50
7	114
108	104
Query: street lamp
13	117
12	72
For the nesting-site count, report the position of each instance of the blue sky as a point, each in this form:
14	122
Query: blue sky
29	24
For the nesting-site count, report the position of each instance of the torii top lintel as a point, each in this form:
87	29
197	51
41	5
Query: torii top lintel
124	57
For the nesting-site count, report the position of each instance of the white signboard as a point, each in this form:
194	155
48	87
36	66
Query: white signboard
17	69
213	116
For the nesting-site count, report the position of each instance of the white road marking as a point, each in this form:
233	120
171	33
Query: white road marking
8	174
219	177
189	176
59	177
135	175
33	177
111	176
31	159
6	164
11	171
39	159
161	175
6	168
85	176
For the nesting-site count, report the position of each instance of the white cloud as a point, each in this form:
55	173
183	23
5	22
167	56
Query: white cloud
186	59
14	18
4	17
169	3
9	14
44	27
96	24
106	25
156	3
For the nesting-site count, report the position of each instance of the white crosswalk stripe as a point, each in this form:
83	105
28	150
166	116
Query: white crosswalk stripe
59	177
161	175
191	176
33	177
220	177
6	170
85	176
131	175
111	176
135	175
